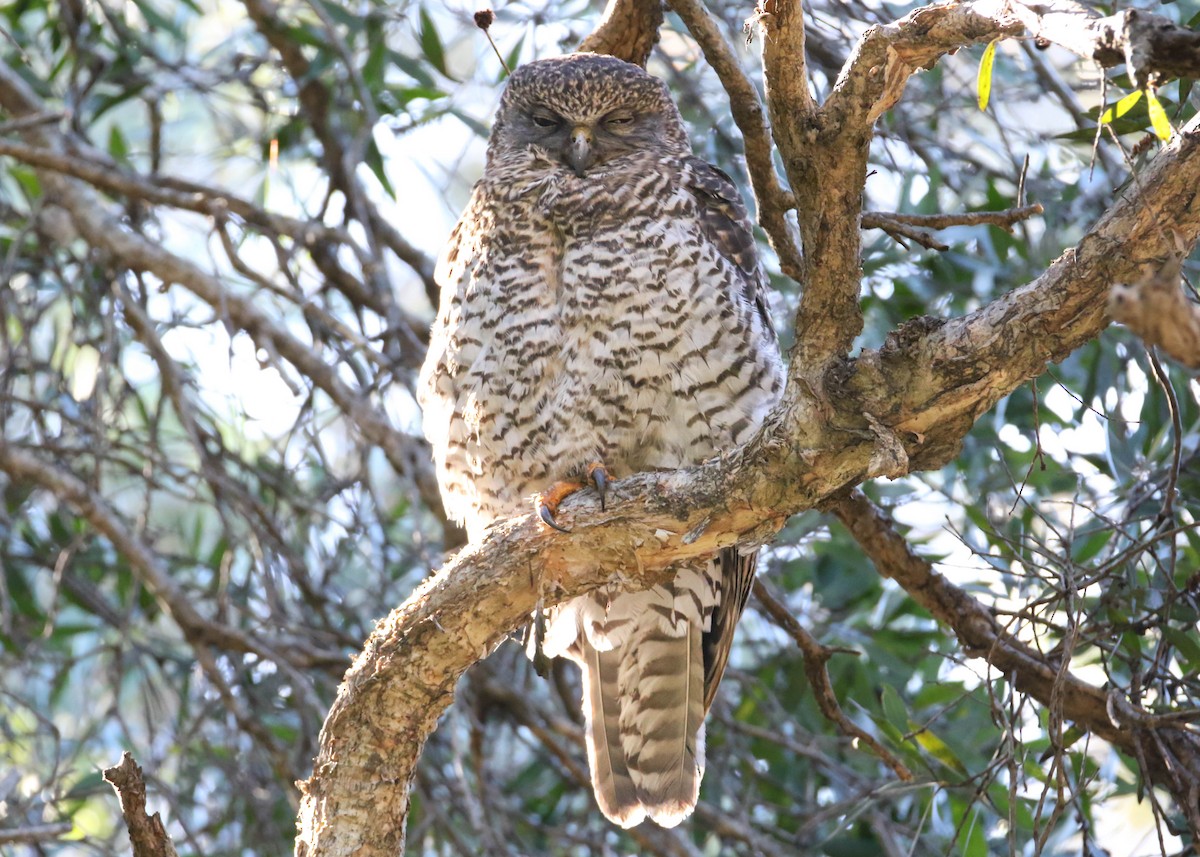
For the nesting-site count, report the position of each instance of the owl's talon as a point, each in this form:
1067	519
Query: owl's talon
598	475
547	517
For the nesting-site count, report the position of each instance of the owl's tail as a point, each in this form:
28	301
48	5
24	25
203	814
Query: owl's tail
644	706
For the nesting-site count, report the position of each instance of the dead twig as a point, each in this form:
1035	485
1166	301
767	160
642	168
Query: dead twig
146	832
815	656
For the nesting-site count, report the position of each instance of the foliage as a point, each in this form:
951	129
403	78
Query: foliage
270	510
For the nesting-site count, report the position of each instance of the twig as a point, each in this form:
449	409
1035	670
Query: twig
484	19
815	656
35	833
1003	219
1031	671
772	200
1166	515
899	231
26	122
197	629
146	832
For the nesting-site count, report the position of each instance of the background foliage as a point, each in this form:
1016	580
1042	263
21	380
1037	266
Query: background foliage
271	510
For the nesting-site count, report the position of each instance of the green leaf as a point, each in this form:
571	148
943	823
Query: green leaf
431	43
513	57
973	842
983	82
374	160
373	69
1187	646
894	708
156	19
1085	549
1121	107
1158	117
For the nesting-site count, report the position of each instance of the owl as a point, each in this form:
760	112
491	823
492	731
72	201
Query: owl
602	314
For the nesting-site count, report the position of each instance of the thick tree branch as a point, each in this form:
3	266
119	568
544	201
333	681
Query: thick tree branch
927	386
1153	47
627	31
825	151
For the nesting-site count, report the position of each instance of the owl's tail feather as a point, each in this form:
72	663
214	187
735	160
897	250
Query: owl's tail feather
614	789
661	722
643	703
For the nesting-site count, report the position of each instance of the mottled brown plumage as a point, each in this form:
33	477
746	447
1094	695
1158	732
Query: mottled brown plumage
602	301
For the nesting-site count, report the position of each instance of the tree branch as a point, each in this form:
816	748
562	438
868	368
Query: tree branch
23	466
339	157
104	230
929	384
913	226
771	200
1174	763
146	832
627	31
1153	47
1156	309
34	833
816	656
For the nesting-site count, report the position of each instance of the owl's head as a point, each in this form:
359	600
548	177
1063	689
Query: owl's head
586	110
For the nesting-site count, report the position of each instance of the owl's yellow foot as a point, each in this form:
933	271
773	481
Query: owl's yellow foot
547	504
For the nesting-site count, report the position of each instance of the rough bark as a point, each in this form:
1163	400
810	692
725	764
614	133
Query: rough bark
146	832
628	30
1156	309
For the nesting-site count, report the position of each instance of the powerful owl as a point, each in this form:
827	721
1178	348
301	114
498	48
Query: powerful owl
601	314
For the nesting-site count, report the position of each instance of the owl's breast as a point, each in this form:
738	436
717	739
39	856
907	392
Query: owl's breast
592	323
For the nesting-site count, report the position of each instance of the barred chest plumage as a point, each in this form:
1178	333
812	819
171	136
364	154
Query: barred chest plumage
593	348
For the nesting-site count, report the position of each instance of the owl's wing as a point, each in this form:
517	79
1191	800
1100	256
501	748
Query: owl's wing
726	223
453	346
737	579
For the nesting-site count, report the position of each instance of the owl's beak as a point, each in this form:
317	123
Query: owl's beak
579	150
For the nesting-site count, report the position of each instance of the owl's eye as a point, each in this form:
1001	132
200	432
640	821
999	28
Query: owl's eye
619	119
544	120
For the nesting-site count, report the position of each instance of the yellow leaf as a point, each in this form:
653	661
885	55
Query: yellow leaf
1158	117
983	83
1121	107
939	749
